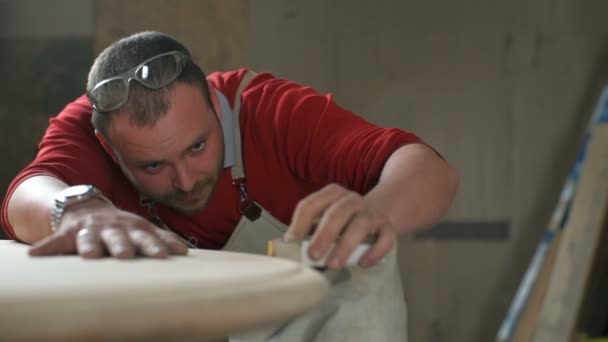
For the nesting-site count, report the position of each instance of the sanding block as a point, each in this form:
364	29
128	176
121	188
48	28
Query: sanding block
298	251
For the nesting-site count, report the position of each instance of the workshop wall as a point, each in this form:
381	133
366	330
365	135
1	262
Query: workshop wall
215	32
502	89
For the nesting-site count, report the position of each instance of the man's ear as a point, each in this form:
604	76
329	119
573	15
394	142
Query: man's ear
106	146
215	101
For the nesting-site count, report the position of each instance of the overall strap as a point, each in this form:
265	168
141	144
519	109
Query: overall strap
238	171
247	206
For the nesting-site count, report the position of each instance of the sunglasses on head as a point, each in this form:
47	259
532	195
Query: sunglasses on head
156	72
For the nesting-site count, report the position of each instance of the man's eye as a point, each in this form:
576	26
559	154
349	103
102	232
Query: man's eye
151	168
198	147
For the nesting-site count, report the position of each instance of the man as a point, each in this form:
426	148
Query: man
154	143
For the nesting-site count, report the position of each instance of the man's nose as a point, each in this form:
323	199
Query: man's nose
184	179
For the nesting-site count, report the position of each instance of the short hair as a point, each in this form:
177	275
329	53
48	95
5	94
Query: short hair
145	106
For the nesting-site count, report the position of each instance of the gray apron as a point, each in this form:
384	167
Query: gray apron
363	304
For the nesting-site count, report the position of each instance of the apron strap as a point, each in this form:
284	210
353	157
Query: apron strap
247	206
238	171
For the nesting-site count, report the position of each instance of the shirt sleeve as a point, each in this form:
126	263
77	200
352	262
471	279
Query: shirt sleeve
68	151
318	140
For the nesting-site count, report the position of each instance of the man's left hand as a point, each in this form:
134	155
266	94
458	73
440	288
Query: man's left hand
344	218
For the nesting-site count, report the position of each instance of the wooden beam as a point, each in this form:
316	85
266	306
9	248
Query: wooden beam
529	319
580	241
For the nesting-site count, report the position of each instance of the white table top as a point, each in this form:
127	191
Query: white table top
204	294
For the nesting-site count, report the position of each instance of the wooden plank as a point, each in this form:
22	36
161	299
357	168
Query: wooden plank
529	318
580	240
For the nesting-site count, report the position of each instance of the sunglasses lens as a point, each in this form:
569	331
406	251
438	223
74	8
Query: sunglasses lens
110	95
159	72
155	73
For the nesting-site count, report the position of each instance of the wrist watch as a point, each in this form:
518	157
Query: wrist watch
70	196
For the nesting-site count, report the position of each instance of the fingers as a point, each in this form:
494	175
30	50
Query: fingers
310	209
340	215
159	243
148	244
345	220
360	227
386	241
175	245
117	243
89	244
53	245
94	234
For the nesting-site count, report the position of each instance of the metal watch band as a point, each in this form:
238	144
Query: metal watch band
63	201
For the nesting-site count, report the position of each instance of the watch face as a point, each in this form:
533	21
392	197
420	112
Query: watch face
76	190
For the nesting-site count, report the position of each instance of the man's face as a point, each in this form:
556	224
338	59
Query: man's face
176	162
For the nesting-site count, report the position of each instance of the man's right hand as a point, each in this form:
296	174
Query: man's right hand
95	229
